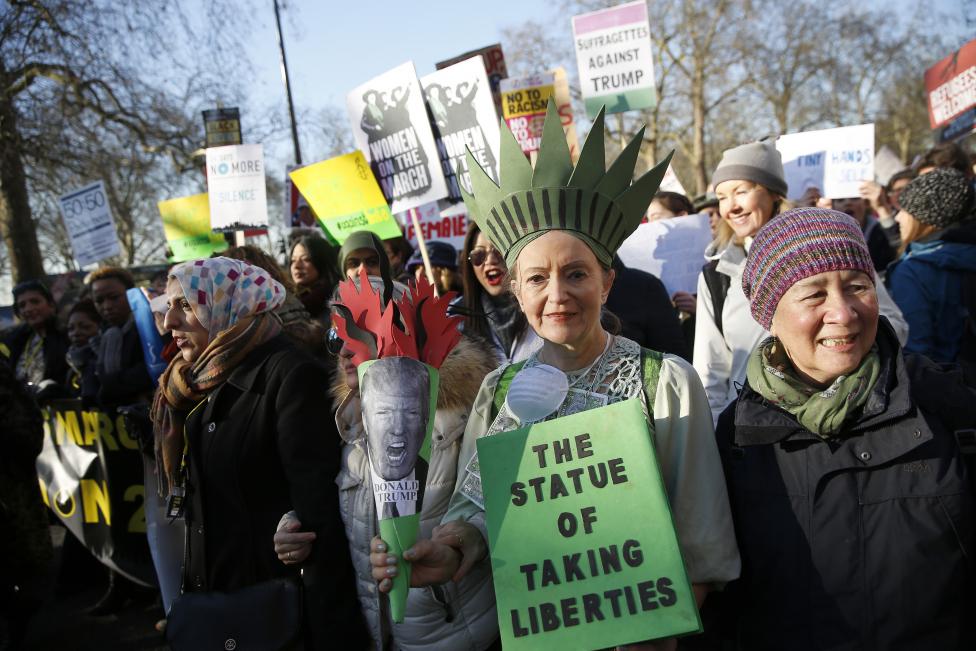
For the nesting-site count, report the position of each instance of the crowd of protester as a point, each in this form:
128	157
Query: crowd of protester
809	411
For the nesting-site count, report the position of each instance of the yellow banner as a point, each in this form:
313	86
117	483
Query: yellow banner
186	224
344	195
525	102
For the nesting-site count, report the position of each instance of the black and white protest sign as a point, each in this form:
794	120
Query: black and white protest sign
235	182
462	115
390	124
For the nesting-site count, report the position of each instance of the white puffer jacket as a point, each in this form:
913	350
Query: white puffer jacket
452	616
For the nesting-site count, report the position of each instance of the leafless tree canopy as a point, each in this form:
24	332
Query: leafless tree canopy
111	91
103	90
731	71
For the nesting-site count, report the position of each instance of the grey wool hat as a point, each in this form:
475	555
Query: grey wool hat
758	162
940	198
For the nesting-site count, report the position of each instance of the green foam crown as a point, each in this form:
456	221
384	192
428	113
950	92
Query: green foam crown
601	206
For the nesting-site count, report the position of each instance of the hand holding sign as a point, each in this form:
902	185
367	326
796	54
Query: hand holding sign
430	563
874	193
466	539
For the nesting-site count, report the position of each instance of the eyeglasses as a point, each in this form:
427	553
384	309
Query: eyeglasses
480	254
333	342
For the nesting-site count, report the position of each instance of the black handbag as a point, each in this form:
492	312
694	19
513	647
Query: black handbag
265	616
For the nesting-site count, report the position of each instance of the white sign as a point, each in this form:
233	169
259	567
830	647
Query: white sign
88	220
886	165
671	249
391	128
613	52
449	225
671	183
235	184
835	161
463	118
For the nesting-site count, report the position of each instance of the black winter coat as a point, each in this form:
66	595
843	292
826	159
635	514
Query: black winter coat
647	316
130	384
55	348
878	245
866	542
265	443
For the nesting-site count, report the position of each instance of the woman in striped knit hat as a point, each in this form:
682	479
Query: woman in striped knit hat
751	188
854	513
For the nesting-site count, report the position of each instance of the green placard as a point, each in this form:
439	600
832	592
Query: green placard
378	220
583	549
619	102
186	225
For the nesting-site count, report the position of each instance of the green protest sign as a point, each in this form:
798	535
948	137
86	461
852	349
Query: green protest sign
186	225
583	549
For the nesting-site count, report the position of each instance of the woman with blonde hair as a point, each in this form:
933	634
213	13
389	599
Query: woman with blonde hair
751	188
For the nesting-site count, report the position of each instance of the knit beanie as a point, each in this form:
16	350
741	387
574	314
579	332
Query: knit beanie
758	162
800	243
940	198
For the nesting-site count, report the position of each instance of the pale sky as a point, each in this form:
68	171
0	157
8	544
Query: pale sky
333	47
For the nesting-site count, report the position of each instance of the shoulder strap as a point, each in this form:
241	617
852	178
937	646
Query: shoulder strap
651	361
501	389
718	286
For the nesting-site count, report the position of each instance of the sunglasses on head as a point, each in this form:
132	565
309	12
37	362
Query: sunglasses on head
333	342
479	254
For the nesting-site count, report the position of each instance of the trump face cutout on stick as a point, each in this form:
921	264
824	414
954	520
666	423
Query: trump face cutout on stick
396	406
397	348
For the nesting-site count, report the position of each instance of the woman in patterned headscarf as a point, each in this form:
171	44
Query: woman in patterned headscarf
238	421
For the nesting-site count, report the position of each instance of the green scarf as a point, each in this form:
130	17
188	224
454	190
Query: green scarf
823	412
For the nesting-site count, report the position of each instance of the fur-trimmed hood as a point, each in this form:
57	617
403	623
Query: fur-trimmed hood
460	374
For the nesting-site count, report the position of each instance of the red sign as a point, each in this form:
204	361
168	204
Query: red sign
951	85
450	225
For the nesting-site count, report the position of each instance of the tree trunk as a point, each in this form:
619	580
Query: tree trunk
125	226
16	224
698	126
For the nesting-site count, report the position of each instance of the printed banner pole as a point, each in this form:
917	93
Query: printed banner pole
423	250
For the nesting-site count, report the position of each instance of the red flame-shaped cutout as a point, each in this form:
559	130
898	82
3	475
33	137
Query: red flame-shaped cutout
425	332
